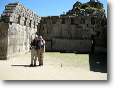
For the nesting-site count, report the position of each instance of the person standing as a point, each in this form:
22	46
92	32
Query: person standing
41	50
34	47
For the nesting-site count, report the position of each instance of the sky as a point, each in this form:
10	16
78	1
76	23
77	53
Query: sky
48	7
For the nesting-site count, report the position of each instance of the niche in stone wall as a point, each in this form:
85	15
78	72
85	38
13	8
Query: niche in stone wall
98	34
93	21
37	26
82	20
30	23
63	20
103	23
25	21
19	20
34	24
45	21
10	23
87	25
54	21
72	21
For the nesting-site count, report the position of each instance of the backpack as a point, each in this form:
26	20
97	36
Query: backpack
42	42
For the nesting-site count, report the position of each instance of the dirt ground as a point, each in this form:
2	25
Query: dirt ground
17	68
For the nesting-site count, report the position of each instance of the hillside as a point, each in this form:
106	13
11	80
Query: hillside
90	8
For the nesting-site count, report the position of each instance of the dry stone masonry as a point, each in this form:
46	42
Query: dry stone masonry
80	34
18	26
85	32
82	29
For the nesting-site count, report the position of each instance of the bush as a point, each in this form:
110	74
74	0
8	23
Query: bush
77	8
85	5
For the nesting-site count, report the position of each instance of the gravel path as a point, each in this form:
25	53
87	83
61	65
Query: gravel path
17	68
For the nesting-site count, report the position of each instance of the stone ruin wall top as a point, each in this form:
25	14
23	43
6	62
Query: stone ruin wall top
15	10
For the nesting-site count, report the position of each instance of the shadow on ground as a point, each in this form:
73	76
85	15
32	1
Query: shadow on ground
25	65
98	62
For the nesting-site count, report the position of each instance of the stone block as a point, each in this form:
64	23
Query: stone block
8	11
3	40
64	33
22	22
6	19
100	41
88	21
91	29
72	27
78	36
63	28
6	14
79	29
73	36
47	36
86	29
22	18
73	32
56	31
60	20
77	21
45	31
78	32
84	32
9	8
27	24
72	45
100	29
85	36
92	32
47	46
100	49
91	26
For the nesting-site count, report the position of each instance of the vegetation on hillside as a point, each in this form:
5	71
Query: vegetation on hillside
94	8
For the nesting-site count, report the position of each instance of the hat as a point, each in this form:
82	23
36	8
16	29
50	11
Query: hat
40	37
36	35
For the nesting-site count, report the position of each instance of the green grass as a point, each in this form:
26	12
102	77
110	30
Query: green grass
81	9
67	59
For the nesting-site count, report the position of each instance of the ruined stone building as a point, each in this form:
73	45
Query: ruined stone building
80	34
18	26
79	30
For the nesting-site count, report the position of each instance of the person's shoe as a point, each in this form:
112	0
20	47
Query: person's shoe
40	64
31	64
34	64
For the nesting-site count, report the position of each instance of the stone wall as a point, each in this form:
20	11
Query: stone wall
3	39
82	33
82	28
20	25
81	46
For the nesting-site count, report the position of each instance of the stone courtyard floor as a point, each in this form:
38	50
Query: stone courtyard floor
57	66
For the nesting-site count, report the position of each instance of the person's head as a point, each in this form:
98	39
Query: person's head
36	37
40	38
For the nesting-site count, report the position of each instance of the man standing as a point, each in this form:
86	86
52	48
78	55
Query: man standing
34	45
41	50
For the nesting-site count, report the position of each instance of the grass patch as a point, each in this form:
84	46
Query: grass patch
67	59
